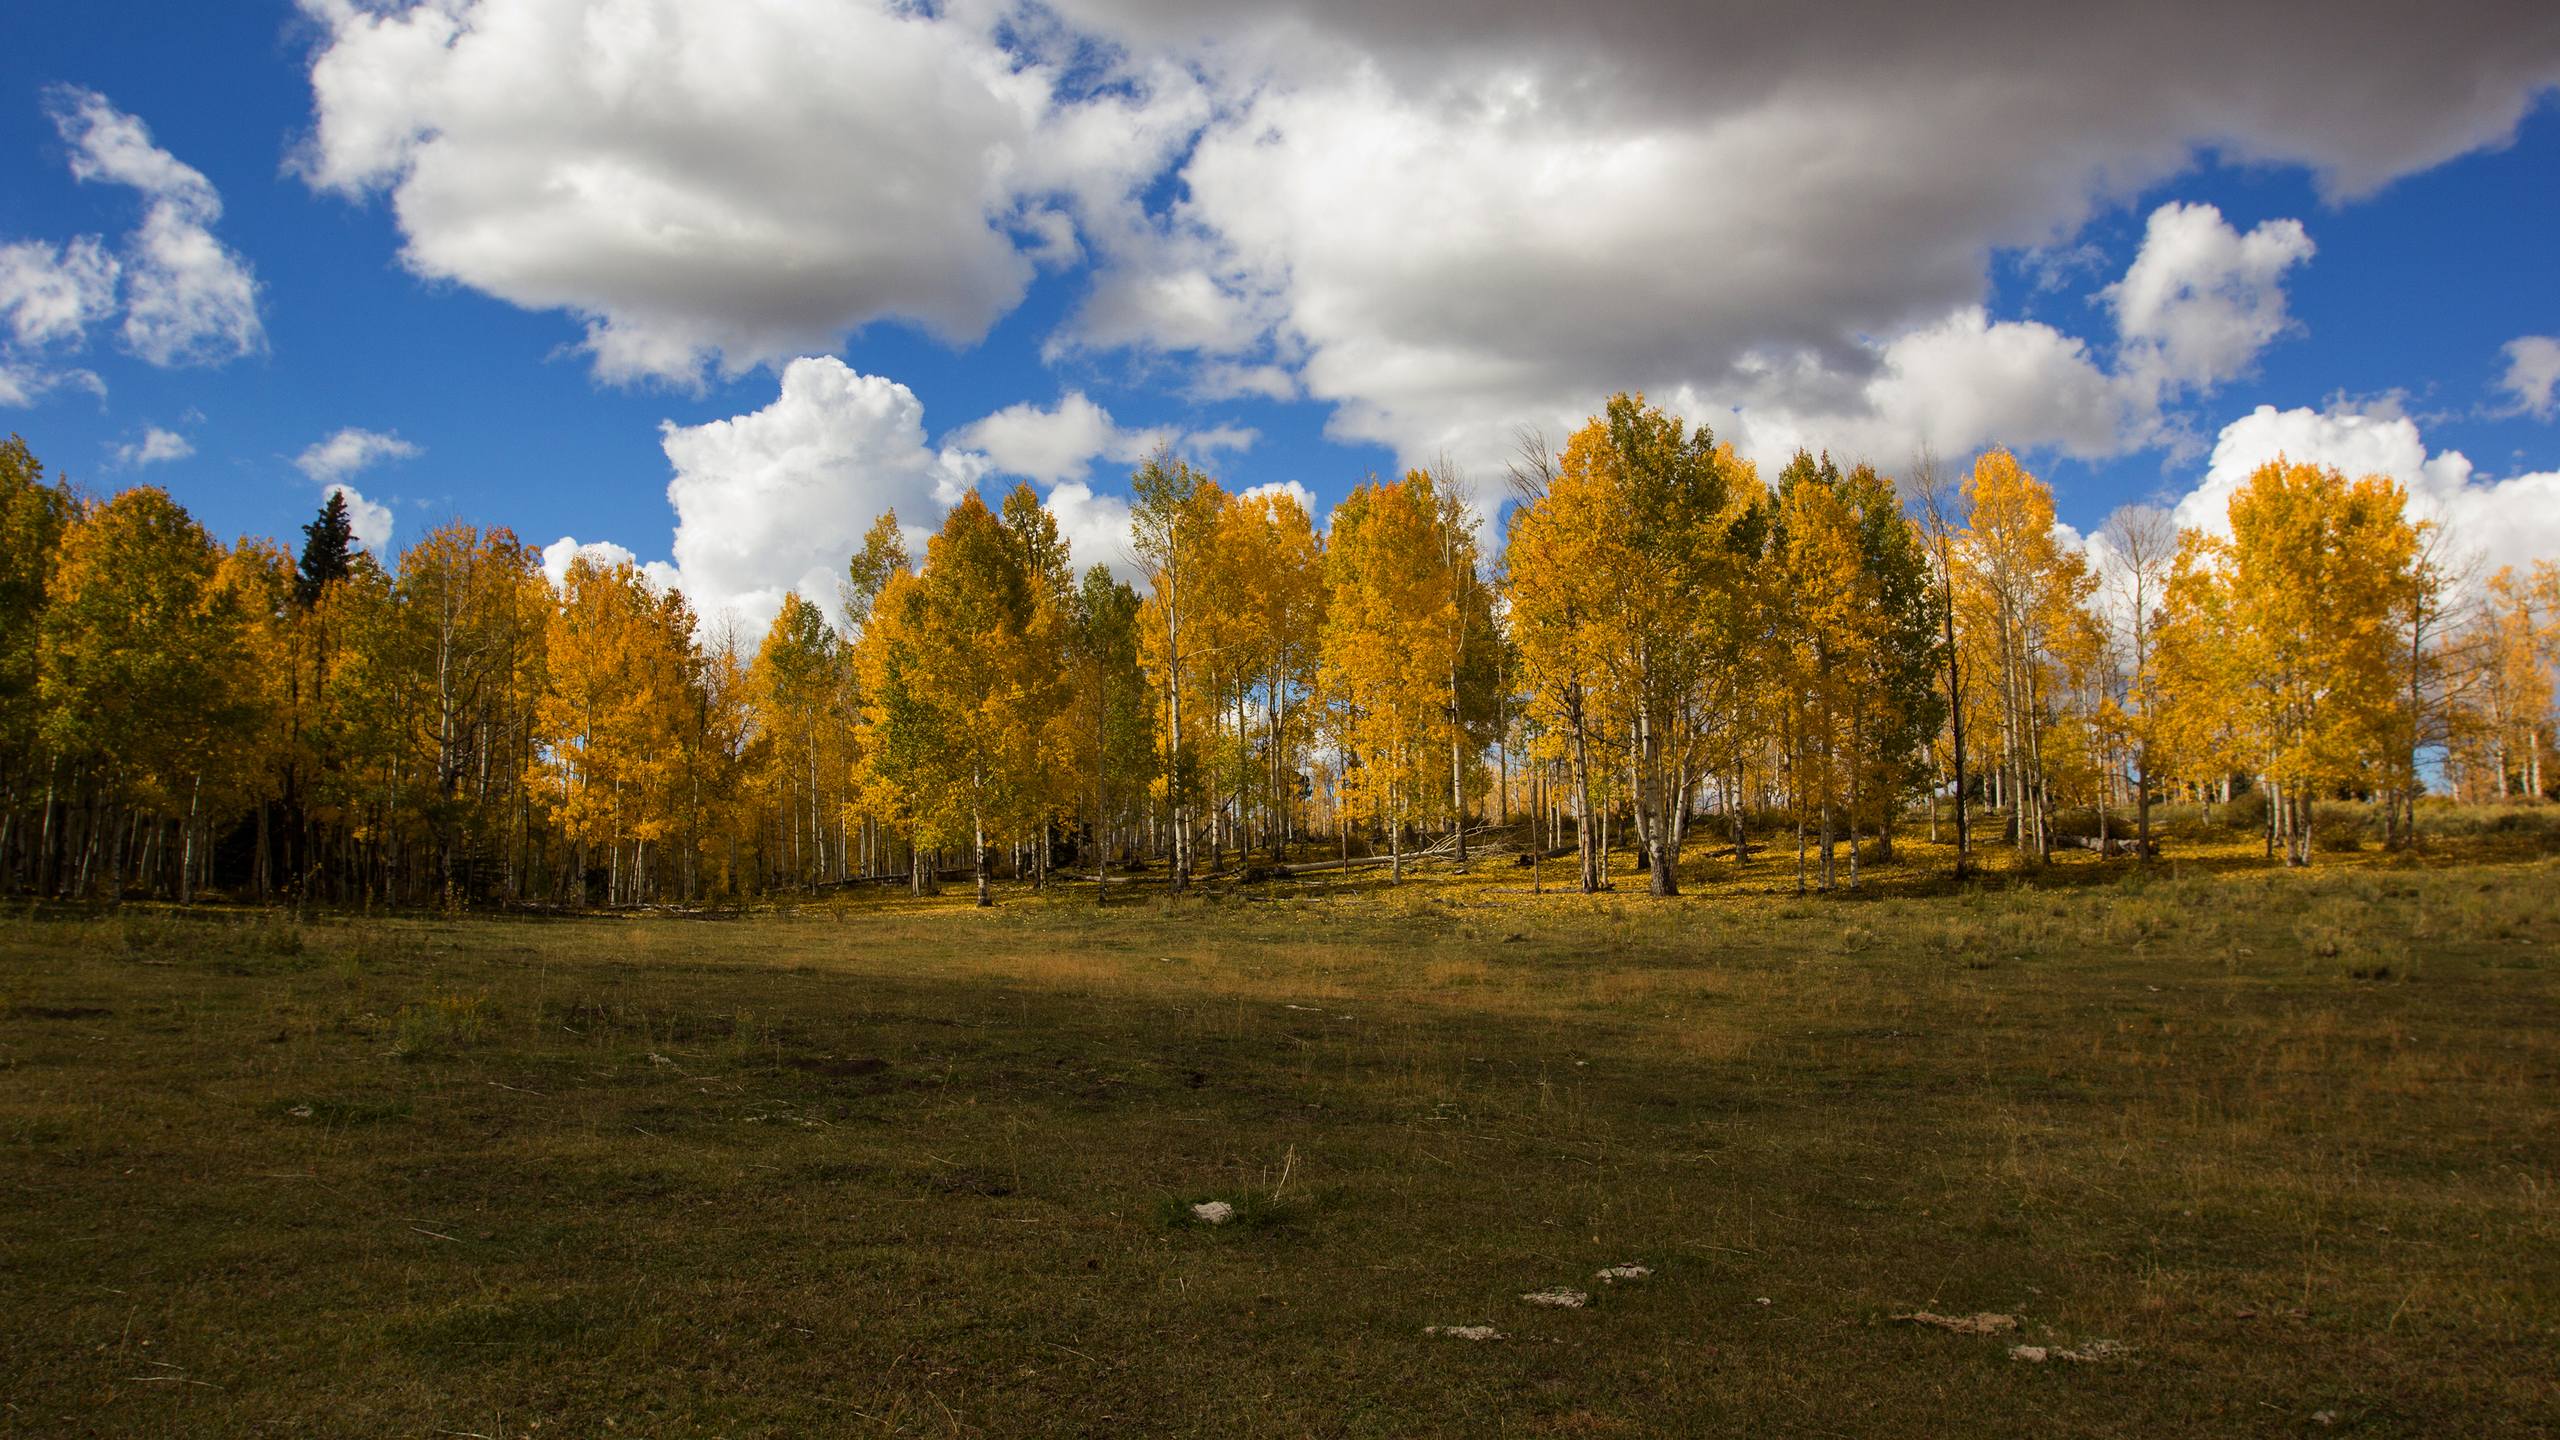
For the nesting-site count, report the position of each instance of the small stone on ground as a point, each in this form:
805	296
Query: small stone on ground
1558	1298
1616	1273
1214	1212
1464	1332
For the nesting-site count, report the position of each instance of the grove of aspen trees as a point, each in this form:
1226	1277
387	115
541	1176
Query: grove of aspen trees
1660	640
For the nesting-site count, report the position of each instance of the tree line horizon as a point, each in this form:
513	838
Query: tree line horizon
1663	640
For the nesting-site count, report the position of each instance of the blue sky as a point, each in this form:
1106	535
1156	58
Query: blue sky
1321	205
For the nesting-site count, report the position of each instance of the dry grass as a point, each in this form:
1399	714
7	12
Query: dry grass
881	1165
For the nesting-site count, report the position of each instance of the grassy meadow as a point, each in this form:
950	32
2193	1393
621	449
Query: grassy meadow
2238	1151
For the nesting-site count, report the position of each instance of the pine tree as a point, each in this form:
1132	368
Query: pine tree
327	546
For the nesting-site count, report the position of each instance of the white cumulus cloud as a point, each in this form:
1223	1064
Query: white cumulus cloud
350	451
2196	306
1965	382
1048	444
1295	490
2201	299
52	294
1436	231
188	298
1096	529
1055	443
2533	371
560	554
155	446
777	500
1441	231
741	183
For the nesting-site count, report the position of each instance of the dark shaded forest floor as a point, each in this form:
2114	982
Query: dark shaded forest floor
2275	1153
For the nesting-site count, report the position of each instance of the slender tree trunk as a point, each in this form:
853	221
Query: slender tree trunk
1584	834
48	861
1652	811
1395	841
187	862
1857	792
1955	709
2142	806
1342	812
978	829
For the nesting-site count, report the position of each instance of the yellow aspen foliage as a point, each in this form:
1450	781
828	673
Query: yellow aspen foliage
1396	578
2287	632
1623	575
2023	611
139	667
610	768
961	669
799	691
1173	524
2510	736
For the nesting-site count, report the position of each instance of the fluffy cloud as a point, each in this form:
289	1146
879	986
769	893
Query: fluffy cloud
53	294
1295	490
1438	232
352	450
2513	521
2197	305
188	298
777	500
1707	197
737	183
2202	299
1096	529
1060	442
155	446
2533	371
560	554
371	522
1964	382
1049	445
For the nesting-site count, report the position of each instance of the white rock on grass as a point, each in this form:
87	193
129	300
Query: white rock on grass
1465	1332
1214	1212
1616	1273
1558	1298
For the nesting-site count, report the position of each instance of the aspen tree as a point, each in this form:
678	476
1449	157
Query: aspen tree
2305	596
138	670
1172	520
2026	599
1387	591
2144	541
